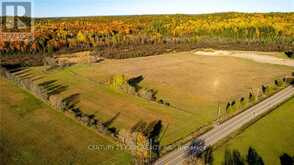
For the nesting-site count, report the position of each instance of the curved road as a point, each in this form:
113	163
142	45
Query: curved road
178	156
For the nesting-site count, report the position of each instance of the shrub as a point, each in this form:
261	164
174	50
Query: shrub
161	101
117	81
291	81
233	103
228	106
251	97
129	89
265	89
77	112
278	83
167	104
114	131
148	94
242	101
85	119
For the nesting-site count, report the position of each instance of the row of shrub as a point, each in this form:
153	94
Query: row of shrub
48	91
263	91
131	86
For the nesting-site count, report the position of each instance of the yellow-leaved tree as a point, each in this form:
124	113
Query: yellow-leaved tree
81	37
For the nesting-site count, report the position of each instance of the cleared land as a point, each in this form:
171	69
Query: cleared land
194	84
262	57
33	133
271	136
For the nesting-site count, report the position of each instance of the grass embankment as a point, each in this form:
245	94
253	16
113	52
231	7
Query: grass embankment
33	133
271	136
193	84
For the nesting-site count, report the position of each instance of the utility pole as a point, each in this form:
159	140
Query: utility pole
218	113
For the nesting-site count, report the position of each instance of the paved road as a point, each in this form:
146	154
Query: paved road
177	157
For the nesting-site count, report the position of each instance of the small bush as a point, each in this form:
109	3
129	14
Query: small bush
148	94
85	119
228	106
129	89
278	83
114	131
167	104
233	103
242	101
251	97
265	89
161	101
117	81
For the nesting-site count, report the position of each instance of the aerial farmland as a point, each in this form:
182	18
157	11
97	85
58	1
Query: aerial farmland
191	88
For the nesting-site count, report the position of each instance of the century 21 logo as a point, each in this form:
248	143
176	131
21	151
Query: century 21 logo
16	17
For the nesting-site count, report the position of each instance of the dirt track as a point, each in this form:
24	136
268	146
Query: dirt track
261	57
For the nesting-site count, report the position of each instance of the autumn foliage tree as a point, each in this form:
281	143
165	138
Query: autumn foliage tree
271	30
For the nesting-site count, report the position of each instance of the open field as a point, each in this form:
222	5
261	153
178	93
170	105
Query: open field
33	133
271	136
193	84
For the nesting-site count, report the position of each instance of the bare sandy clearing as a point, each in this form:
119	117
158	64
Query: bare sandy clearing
262	57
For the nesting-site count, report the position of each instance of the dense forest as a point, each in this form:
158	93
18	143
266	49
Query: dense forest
108	36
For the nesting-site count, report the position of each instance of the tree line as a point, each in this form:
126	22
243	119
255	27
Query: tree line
56	34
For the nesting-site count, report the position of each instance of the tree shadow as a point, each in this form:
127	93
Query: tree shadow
286	159
26	76
51	87
134	82
37	78
13	67
57	89
233	157
111	120
47	83
154	138
71	102
152	132
22	72
77	111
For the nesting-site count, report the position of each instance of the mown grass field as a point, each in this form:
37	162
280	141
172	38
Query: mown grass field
33	133
193	84
271	136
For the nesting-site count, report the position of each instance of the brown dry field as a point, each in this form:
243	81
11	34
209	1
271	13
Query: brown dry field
194	84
